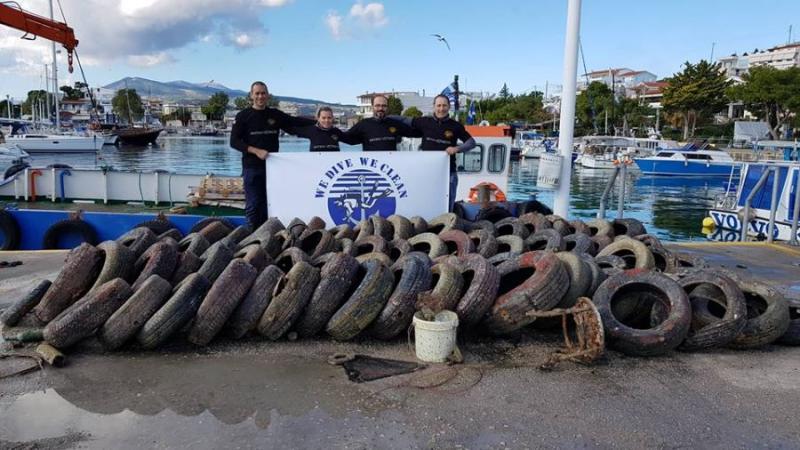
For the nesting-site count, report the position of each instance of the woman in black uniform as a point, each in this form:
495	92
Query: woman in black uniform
322	136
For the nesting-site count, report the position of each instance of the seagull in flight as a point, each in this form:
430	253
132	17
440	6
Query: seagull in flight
442	39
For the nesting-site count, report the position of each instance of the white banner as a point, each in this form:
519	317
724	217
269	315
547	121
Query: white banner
346	187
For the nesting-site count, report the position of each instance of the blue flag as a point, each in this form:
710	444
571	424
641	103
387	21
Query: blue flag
471	113
450	92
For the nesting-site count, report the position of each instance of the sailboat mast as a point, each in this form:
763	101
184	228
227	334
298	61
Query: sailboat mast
55	76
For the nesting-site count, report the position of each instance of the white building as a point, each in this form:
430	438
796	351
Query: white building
409	99
622	79
780	57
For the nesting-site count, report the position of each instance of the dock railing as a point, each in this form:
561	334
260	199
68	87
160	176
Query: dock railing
620	169
748	201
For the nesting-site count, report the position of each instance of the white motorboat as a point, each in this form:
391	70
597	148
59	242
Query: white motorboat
56	143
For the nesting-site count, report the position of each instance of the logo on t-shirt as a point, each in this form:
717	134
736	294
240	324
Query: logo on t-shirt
271	122
392	130
334	137
448	134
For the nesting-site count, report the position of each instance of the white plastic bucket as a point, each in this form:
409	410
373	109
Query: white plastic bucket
435	340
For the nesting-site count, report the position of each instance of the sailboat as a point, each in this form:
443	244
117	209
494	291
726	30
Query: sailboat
141	135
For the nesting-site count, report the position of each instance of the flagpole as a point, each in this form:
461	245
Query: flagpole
565	138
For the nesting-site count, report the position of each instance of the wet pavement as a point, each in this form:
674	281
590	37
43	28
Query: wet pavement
259	394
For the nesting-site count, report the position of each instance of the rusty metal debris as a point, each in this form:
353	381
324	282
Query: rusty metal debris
590	339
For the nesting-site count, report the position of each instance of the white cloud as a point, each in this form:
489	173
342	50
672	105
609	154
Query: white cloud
334	23
150	60
370	15
362	18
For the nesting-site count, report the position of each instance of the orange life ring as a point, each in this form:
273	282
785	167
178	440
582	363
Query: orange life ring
495	194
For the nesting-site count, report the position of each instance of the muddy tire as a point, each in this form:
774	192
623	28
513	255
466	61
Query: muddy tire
562	226
289	298
481	280
535	222
342	232
511	226
428	243
398	248
484	242
237	235
345	245
500	258
685	262
366	298
598	276
255	256
296	227
510	243
157	226
580	243
118	262
382	258
628	227
600	227
263	234
601	241
12	314
403	229
173	233
547	239
652	341
138	240
720	331
316	243
482	225
316	223
445	222
249	311
663	260
635	254
579	277
175	313
206	221
364	229
419	225
132	315
76	277
82	320
194	243
290	257
188	264
412	275
381	227
220	302
493	213
371	244
336	278
447	286
215	260
457	242
649	240
611	264
531	281
579	227
767	315
160	259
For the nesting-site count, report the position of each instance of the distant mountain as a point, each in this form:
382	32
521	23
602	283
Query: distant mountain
185	91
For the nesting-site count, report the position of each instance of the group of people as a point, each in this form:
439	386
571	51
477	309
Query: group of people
256	130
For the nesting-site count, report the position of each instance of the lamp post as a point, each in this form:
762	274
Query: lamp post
8	105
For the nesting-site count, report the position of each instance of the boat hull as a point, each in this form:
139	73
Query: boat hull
57	144
650	166
729	221
134	136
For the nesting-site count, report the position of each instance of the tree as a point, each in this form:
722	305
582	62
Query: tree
241	103
4	108
215	108
591	106
70	93
698	91
395	106
412	111
504	93
34	98
773	92
127	103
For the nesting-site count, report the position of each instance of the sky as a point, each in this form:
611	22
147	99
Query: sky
334	50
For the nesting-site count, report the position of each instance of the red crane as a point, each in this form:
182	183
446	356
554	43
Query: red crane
35	25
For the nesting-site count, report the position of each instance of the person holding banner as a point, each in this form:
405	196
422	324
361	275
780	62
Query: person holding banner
440	132
322	136
255	134
379	133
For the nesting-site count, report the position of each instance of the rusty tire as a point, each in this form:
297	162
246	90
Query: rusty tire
118	262
249	311
138	240
76	277
658	339
579	277
547	239
481	280
365	300
721	331
447	286
412	275
428	243
175	313
83	319
290	297
511	226
484	242
635	254
221	300
336	278
457	242
131	316
403	229
195	243
12	314
531	281
215	260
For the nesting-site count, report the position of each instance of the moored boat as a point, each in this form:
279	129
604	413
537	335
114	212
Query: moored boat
138	136
688	162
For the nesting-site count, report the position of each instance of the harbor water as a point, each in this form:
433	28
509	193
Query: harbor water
670	207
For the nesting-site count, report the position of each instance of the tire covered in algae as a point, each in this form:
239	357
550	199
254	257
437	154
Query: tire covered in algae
12	314
316	243
579	278
547	239
635	253
768	315
371	244
76	277
160	259
175	313
195	243
131	316
382	227
138	240
215	231
84	318
511	226
531	281
482	280
412	275
291	295
510	243
290	257
457	242
336	278
720	331
118	262
254	255
188	263
444	222
215	260
246	316
447	286
428	243
403	228
366	298
485	243
221	300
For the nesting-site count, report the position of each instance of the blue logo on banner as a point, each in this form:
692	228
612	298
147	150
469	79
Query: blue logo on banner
358	194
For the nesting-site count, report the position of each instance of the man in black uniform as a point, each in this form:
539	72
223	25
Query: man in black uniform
255	134
440	132
379	132
322	136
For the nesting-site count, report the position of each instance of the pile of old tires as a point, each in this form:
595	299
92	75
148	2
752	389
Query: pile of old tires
303	279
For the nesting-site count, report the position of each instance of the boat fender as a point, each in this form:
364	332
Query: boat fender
9	231
76	225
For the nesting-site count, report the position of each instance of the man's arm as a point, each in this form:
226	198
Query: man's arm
238	142
347	138
286	121
406	129
303	131
467	142
353	136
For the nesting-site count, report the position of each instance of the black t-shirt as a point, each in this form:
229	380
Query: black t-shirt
260	128
438	134
321	139
379	135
